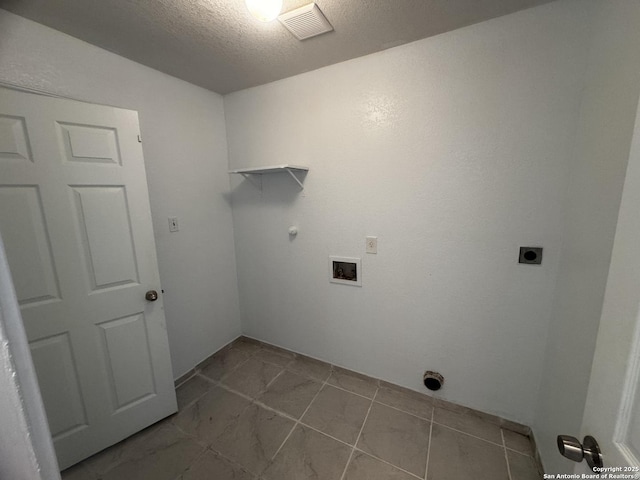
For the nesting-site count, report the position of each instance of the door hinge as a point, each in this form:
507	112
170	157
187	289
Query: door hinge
139	139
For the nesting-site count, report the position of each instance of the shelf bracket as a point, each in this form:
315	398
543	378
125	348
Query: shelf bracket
251	178
293	175
250	173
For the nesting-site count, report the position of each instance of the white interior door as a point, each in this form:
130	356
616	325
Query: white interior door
75	219
612	413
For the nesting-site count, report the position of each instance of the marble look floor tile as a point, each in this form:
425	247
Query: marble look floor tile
191	390
310	367
272	355
309	455
365	467
78	472
243	437
338	413
354	382
211	466
396	437
253	438
252	377
405	399
246	345
158	457
278	350
468	422
518	442
522	467
223	362
211	414
456	456
290	393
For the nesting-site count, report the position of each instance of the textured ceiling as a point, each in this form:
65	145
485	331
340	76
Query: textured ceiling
218	45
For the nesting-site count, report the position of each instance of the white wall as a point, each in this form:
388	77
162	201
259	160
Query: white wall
454	151
603	140
184	143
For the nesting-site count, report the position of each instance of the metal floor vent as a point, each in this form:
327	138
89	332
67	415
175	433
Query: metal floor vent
306	22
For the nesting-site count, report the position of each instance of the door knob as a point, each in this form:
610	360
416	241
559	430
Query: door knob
589	449
151	295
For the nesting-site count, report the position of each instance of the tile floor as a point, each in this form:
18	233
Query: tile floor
256	412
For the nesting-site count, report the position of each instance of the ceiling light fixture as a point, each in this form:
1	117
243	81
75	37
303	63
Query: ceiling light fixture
264	10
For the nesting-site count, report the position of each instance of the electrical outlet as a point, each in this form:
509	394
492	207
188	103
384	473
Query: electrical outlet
372	244
530	255
173	224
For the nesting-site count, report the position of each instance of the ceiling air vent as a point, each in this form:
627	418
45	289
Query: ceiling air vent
306	22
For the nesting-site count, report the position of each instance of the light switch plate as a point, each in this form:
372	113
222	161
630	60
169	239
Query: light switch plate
173	224
372	244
